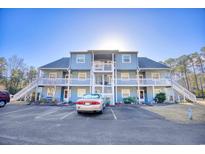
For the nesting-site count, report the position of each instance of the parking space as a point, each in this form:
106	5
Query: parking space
53	113
29	124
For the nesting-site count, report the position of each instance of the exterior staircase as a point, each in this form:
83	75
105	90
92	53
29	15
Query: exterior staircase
23	92
183	91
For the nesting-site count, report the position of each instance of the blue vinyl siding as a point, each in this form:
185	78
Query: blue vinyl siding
80	66
126	66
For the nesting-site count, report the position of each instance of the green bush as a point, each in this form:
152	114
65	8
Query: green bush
43	101
129	100
199	93
160	97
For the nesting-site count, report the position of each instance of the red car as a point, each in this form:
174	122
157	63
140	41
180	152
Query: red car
4	98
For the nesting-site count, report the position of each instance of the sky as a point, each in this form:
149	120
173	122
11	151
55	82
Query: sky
41	36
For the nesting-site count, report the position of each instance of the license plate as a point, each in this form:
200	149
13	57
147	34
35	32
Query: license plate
87	103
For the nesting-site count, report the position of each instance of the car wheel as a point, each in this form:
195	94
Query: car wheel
101	112
2	103
78	112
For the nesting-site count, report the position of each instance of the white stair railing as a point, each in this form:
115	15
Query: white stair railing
183	91
25	90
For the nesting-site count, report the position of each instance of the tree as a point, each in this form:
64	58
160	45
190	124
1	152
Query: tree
182	67
31	74
3	65
192	58
16	72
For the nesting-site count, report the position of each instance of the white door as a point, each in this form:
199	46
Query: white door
142	96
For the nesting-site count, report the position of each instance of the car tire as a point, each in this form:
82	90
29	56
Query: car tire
78	112
2	103
101	112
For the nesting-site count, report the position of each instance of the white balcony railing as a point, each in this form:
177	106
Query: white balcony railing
63	81
144	82
119	81
102	66
53	81
76	81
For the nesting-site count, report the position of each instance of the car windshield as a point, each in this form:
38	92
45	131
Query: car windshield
91	96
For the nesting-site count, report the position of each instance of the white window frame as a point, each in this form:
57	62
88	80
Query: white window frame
124	91
155	74
81	92
78	60
53	73
125	77
123	58
82	74
49	92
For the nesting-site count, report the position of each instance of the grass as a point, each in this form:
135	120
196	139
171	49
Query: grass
179	112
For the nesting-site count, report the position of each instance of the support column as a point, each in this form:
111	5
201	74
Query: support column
93	76
116	85
138	86
113	75
36	92
68	88
153	92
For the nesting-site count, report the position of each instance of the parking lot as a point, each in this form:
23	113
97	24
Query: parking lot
30	124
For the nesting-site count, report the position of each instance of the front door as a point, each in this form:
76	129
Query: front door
65	96
142	96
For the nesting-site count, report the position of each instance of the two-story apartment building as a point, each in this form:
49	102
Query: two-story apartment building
114	74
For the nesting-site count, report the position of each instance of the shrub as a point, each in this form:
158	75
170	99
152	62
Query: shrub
160	97
129	100
43	101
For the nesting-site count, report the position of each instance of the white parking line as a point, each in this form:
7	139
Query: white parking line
17	111
45	114
66	115
113	113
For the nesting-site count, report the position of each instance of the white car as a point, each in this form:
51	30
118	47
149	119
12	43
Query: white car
90	103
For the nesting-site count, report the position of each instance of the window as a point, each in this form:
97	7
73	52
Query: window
125	75
50	91
126	58
155	75
80	59
82	75
52	75
81	92
125	93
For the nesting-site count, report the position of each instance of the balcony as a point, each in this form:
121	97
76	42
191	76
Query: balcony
79	82
119	82
143	82
102	66
63	82
53	81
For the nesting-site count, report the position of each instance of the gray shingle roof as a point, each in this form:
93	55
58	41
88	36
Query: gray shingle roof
146	63
62	63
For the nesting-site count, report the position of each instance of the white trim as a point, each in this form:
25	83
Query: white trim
143	99
123	55
44	68
78	56
52	73
154	69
